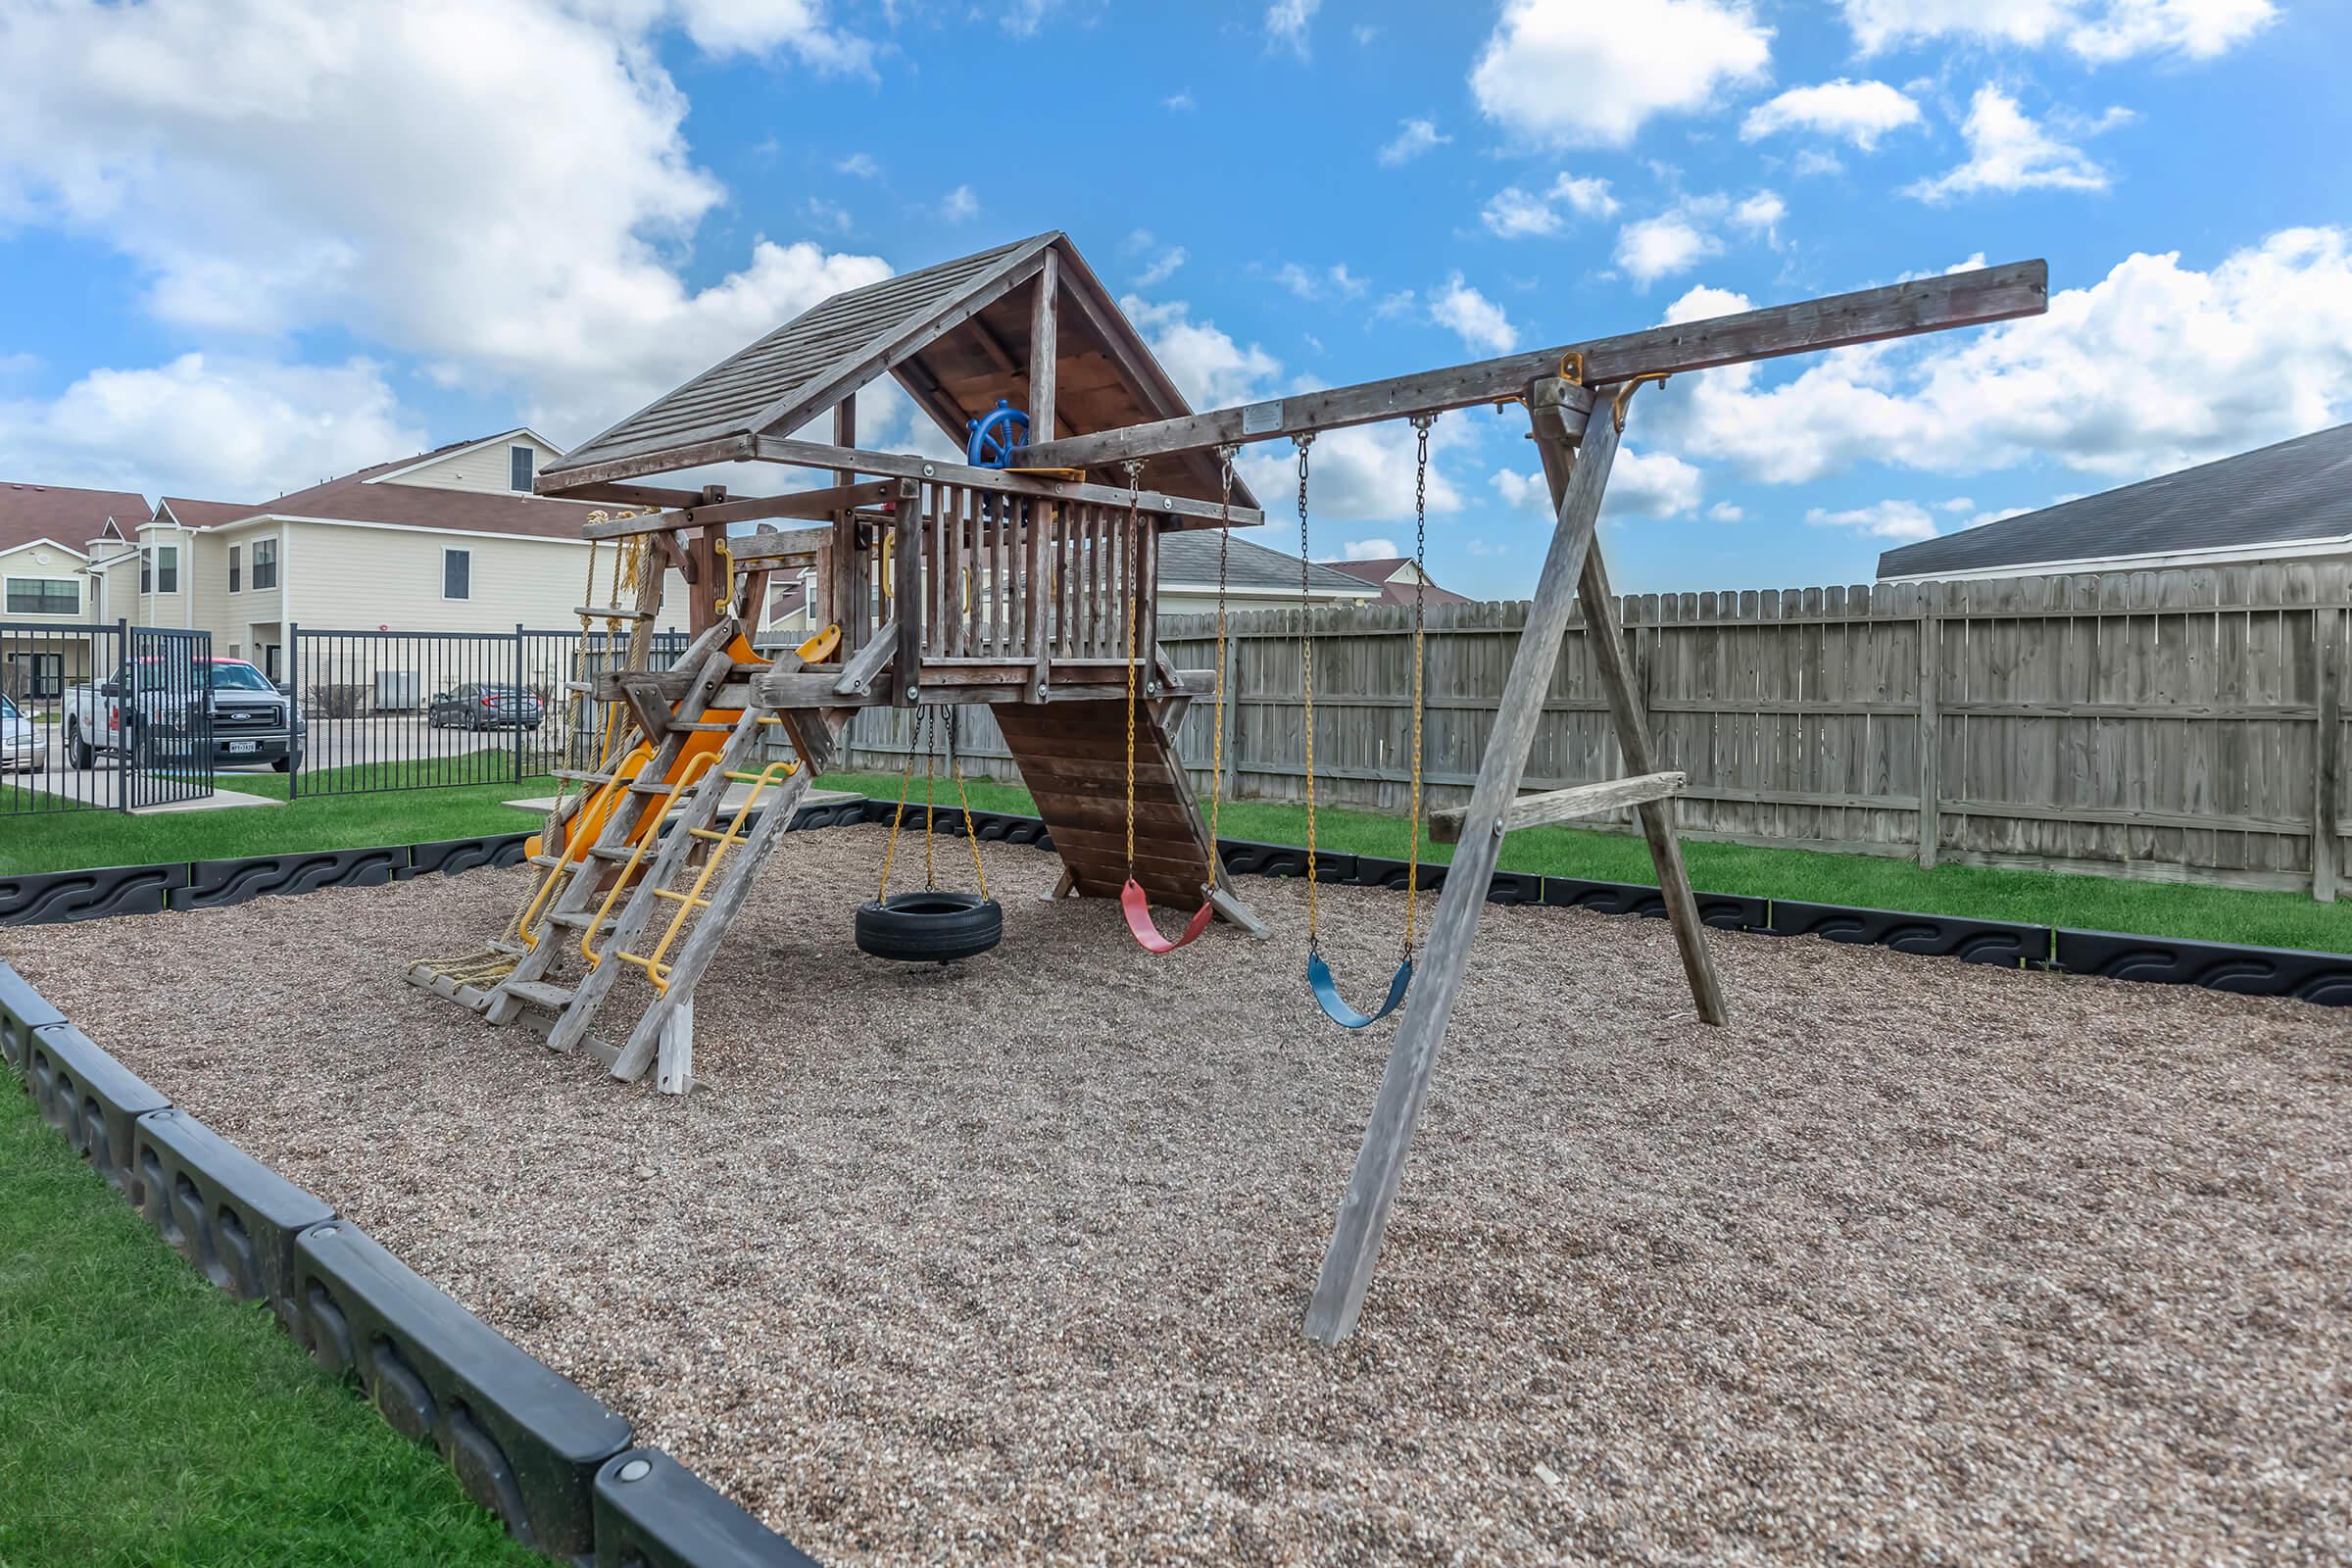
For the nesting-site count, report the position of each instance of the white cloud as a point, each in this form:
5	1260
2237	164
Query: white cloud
1287	23
1704	304
1475	319
831	217
1370	550
1332	282
1363	474
1162	268
1761	213
1856	111
747	26
1689	232
2009	150
2197	28
1899	521
960	205
1642	484
2153	367
1725	511
1209	367
1413	139
1515	214
214	427
1179	100
2098	31
1651	484
1814	161
1652	248
860	165
500	191
1574	72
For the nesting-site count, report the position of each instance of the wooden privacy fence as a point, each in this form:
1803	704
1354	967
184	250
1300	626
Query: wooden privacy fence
2174	725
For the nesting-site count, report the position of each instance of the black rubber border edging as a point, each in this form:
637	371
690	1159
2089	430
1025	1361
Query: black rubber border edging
50	898
2321	978
526	1443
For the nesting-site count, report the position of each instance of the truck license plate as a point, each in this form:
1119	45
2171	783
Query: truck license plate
243	748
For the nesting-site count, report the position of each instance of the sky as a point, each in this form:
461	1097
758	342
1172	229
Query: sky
249	244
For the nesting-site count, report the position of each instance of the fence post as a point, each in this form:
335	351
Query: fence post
294	689
1930	722
2328	648
519	689
125	706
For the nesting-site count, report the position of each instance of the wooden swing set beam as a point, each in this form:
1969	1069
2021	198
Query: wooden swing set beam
1840	320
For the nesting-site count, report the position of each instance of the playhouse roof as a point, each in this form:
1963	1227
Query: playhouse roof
955	335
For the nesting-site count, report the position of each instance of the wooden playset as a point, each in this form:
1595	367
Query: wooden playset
1027	578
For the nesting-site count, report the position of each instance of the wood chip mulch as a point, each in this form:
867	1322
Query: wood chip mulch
1917	1262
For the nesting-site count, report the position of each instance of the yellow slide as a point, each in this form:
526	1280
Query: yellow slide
700	753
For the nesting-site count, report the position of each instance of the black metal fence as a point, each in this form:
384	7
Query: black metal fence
413	711
103	715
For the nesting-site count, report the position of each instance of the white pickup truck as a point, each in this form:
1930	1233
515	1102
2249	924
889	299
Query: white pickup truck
252	720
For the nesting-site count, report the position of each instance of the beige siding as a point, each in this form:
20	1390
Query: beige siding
231	618
39	559
485	468
362	578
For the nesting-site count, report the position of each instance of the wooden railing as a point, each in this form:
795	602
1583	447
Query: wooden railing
1006	579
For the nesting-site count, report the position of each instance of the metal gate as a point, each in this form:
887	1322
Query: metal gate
168	751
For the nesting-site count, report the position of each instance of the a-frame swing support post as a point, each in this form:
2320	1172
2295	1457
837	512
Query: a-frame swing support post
1363	1217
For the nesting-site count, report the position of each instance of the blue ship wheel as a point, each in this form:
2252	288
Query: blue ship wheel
996	438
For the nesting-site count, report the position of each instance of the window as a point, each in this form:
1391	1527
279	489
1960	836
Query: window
237	554
146	569
518	468
44	596
158	569
457	574
264	563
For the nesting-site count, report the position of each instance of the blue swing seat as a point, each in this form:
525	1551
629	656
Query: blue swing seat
1327	993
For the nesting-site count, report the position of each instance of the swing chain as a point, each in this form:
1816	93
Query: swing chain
1422	425
898	818
1306	686
1217	764
963	800
1134	485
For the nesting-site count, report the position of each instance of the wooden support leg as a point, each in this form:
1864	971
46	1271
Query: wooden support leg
1404	1084
1607	638
676	1067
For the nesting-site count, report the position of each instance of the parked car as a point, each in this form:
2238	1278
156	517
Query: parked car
24	744
480	706
250	719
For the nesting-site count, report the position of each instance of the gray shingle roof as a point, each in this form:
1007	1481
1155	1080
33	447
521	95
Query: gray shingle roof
1191	557
785	377
2292	493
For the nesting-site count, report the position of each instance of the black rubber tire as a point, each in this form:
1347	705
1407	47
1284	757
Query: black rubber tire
933	926
78	752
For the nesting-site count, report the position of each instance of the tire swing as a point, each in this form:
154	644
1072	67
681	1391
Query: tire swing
935	925
1319	979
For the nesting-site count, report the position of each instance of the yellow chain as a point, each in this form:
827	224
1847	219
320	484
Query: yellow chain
1216	764
1306	684
1134	478
898	818
972	834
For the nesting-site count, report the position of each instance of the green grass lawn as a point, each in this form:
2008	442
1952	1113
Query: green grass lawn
147	1419
67	841
56	843
2037	898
